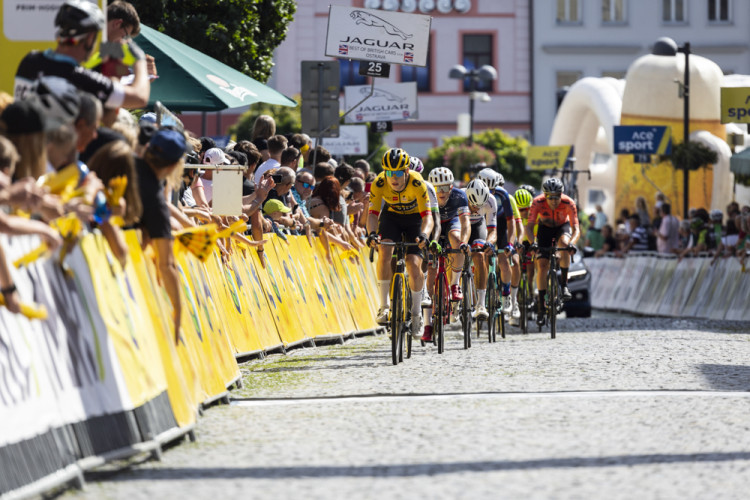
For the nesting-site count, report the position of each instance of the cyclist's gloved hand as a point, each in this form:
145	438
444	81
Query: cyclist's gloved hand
509	248
463	247
435	247
488	246
421	240
573	249
372	239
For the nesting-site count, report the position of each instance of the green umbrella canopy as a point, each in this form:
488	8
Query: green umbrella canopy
190	80
740	163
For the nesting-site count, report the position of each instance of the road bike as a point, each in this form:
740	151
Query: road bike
399	320
441	301
466	305
495	314
525	291
553	300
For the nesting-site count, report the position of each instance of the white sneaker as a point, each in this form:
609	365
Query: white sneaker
480	313
516	313
507	304
416	327
382	317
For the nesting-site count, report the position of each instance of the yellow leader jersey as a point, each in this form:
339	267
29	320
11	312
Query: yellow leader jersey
413	199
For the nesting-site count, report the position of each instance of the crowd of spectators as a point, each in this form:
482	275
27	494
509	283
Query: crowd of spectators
70	124
716	233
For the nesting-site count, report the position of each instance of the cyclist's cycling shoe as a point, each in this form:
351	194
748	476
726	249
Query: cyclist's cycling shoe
507	304
426	300
566	295
382	317
480	313
516	312
541	315
513	321
427	336
416	327
456	294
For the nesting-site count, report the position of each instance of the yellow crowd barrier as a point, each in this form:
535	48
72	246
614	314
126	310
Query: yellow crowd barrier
103	376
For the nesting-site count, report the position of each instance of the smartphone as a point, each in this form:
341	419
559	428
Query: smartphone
276	178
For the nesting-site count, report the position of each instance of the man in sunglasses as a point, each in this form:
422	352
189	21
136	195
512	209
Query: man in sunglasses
555	213
399	208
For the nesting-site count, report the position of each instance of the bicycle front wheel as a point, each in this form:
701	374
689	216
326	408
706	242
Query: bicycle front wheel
438	321
491	307
552	295
397	315
466	309
523	303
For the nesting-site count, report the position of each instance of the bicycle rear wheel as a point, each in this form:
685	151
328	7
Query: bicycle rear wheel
396	319
466	309
552	294
491	307
438	320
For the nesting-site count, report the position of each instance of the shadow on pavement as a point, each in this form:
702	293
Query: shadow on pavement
412	470
727	377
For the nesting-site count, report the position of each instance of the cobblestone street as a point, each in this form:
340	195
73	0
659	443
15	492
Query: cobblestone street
615	407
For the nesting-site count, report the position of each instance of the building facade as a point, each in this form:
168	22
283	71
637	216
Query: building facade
468	32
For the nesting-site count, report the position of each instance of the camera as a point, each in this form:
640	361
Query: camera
276	178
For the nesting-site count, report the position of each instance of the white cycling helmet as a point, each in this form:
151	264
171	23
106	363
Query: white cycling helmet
500	179
716	214
440	176
477	193
416	164
489	177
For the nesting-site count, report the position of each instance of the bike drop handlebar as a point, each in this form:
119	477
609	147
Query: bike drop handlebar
392	244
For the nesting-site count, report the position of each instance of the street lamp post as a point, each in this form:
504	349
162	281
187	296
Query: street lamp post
484	73
665	46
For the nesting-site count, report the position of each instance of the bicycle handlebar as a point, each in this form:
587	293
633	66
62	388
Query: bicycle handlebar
391	244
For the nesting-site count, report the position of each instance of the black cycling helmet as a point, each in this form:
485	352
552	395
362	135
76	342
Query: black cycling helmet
78	17
396	159
528	187
552	185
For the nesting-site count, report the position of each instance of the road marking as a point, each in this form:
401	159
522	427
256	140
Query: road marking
378	398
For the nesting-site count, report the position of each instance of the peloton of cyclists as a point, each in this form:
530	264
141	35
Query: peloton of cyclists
558	218
399	208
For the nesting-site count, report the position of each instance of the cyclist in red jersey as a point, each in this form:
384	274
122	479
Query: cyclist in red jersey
556	214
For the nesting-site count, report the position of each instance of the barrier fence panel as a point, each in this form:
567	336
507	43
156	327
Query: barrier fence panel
666	286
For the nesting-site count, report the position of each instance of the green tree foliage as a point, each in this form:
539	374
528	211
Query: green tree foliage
240	33
692	155
510	155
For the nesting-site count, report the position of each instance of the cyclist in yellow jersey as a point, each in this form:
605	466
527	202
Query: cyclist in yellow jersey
399	208
523	199
511	306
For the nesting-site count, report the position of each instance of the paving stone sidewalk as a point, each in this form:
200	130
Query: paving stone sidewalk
615	407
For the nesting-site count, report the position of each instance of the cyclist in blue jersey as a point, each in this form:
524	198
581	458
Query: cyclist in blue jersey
455	225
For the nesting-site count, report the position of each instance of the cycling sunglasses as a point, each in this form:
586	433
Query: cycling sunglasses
444	189
395	173
552	196
306	185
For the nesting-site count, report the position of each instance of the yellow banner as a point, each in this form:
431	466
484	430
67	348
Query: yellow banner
735	105
547	157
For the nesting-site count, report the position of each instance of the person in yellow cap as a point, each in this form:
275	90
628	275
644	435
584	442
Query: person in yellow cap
276	211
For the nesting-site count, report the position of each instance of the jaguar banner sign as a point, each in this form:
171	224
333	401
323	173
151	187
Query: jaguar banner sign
378	35
352	140
389	102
